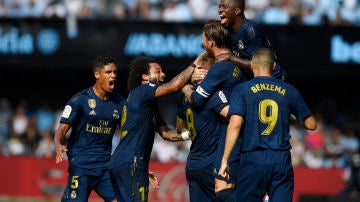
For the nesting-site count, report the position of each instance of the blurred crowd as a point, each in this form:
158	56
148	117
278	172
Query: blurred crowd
272	12
26	131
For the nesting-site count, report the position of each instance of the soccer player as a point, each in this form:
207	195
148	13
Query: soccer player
223	75
93	115
261	109
206	127
246	37
129	163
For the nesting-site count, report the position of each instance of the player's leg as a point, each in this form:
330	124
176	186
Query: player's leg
104	188
122	182
224	189
140	179
201	184
282	183
252	179
78	187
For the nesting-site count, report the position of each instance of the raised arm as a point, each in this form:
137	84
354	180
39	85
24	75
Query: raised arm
176	83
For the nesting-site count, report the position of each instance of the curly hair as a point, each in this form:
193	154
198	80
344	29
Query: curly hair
138	67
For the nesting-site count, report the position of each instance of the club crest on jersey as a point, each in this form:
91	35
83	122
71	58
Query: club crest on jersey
92	103
222	97
240	44
116	114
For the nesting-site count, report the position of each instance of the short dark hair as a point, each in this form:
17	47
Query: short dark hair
239	4
213	30
101	61
263	57
138	67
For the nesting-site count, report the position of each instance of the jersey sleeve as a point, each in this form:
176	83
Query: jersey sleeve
237	104
71	111
208	86
300	110
217	101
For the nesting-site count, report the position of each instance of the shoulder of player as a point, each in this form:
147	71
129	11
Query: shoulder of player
251	29
142	92
80	94
219	66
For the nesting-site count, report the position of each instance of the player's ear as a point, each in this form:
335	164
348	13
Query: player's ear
96	74
237	11
251	65
145	77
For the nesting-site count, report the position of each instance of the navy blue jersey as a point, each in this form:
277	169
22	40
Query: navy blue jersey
206	126
93	123
266	104
141	117
223	75
250	37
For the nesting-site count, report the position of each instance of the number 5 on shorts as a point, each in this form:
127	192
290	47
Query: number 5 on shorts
74	182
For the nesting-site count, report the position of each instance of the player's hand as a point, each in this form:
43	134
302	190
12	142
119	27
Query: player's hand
153	180
59	149
225	56
198	75
196	61
224	171
187	87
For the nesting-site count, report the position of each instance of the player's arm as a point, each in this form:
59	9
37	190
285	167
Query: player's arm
188	91
176	83
174	135
240	62
232	135
310	123
180	124
59	141
224	111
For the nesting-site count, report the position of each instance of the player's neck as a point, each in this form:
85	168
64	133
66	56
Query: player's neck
100	93
222	51
238	22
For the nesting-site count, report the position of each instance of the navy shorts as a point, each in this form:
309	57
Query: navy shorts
201	184
130	182
265	171
81	182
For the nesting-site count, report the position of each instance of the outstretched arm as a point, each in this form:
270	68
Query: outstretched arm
240	62
174	135
176	83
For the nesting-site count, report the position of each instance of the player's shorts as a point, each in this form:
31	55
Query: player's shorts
265	171
130	182
81	182
201	184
